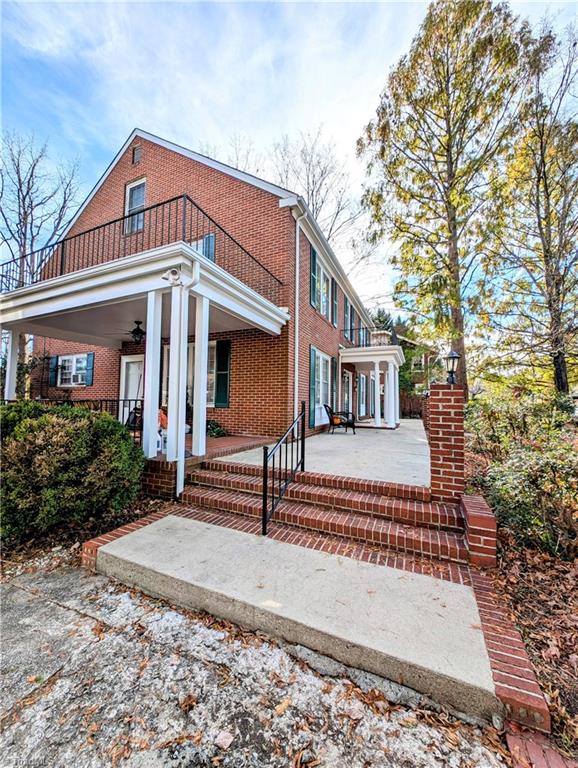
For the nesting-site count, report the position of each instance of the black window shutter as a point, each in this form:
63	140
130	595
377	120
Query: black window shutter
311	386
334	295
53	371
222	373
346	317
89	369
313	286
334	383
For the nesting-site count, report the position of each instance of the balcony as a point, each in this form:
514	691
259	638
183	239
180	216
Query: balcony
368	337
177	220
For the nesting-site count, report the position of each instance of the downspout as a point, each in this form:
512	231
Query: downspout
296	314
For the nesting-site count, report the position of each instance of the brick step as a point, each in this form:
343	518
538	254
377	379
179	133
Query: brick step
379	487
408	511
443	545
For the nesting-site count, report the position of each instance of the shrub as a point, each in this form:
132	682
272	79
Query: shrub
535	494
524	459
214	429
63	465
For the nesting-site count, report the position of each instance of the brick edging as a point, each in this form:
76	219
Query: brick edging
479	530
91	547
514	677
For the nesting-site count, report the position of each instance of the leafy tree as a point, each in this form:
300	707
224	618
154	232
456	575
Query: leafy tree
536	221
445	114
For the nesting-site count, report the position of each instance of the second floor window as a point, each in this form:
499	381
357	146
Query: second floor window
134	207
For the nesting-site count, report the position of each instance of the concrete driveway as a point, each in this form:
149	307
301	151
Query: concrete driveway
95	675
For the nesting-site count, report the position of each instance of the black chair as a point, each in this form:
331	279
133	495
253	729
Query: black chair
338	419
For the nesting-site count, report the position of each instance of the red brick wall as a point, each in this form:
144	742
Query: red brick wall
446	441
261	365
315	329
248	213
106	371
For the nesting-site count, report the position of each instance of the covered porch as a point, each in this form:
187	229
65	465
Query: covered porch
368	383
182	300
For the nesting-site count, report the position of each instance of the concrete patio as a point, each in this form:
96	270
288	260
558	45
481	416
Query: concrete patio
396	456
412	628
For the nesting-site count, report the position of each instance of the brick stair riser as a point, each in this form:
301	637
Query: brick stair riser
438	545
408	512
415	492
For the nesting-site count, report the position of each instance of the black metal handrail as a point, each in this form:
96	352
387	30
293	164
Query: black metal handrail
129	411
174	220
289	451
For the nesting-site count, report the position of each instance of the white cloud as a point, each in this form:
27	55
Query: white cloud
201	72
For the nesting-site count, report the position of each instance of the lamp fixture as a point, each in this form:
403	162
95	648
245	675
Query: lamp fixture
451	361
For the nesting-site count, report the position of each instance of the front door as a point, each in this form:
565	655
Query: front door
131	384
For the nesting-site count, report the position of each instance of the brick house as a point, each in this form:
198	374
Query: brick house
245	309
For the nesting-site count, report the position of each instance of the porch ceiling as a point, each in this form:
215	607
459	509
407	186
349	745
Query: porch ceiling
110	324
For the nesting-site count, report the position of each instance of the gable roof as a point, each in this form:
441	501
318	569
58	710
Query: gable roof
287	199
248	178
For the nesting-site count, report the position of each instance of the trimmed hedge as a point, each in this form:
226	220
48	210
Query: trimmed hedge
62	465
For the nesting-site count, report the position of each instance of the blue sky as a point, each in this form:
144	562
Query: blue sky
82	75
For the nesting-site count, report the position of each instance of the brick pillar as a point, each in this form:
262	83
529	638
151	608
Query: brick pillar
446	441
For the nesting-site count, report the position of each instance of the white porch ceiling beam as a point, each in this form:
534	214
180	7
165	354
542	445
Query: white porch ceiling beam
39	329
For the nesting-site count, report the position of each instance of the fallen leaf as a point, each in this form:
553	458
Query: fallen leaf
280	708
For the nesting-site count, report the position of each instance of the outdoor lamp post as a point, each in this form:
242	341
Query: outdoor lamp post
451	362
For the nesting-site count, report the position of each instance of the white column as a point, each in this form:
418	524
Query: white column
178	381
11	364
377	395
338	405
396	380
152	373
200	386
391	396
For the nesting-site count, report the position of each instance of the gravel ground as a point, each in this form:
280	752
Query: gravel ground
95	674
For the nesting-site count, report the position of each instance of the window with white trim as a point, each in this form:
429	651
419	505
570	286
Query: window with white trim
72	370
134	206
322	386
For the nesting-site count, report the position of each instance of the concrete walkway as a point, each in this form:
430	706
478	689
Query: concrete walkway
396	456
413	629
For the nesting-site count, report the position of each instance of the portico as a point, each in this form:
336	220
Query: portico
179	295
378	365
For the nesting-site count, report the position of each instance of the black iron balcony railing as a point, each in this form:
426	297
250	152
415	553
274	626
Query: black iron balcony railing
175	220
368	337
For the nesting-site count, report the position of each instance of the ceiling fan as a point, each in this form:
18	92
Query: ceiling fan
137	334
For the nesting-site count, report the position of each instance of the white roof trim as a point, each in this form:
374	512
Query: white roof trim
248	178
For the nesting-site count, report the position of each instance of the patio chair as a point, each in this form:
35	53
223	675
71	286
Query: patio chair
338	419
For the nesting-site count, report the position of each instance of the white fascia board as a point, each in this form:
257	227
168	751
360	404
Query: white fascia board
103	283
235	173
134	276
391	354
237	298
316	237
